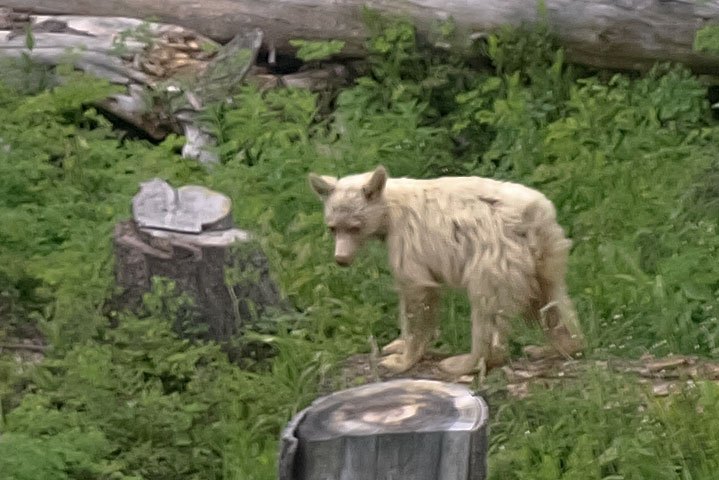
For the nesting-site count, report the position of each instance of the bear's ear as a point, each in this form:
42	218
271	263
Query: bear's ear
322	185
373	189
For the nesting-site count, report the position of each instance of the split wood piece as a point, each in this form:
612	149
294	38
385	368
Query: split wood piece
418	429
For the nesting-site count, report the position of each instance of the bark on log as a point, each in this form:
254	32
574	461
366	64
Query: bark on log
603	33
418	429
187	235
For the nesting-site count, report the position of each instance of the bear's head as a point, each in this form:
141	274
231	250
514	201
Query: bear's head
355	209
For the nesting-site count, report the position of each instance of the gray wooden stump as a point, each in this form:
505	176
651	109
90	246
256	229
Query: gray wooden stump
395	430
186	235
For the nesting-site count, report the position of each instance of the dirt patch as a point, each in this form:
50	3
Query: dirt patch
666	374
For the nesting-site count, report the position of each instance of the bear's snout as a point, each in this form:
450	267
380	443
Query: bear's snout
343	261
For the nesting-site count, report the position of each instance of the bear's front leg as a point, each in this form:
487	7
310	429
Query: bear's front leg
484	332
417	322
397	345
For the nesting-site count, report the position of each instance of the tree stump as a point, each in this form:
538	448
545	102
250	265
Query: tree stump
186	235
401	429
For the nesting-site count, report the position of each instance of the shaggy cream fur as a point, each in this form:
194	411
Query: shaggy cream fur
499	241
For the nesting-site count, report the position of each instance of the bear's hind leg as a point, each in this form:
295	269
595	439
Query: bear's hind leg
557	318
561	325
553	308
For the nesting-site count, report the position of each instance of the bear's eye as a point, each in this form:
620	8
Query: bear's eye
333	230
353	230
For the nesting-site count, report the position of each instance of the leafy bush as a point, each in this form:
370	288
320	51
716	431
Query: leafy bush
158	407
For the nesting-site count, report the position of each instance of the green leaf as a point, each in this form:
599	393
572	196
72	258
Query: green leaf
29	37
697	291
316	50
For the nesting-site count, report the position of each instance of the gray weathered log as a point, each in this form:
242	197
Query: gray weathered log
220	268
401	429
604	33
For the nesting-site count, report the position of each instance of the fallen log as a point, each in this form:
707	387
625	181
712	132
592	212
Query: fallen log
619	34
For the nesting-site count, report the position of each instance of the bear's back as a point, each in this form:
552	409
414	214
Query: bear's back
466	189
447	224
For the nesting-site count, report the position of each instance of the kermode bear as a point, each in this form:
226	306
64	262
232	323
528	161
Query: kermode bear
499	241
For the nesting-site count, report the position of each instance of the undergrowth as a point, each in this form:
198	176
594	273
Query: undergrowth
628	161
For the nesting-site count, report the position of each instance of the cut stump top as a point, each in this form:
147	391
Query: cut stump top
398	406
189	209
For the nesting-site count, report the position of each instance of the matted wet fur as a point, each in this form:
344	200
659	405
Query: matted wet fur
499	241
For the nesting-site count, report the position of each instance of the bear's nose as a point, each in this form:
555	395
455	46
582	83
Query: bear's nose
343	261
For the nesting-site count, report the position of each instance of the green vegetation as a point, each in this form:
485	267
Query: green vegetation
308	50
630	163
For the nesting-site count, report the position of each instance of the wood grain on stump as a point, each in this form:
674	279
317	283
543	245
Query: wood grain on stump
401	429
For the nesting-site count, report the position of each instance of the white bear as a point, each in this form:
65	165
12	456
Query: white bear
499	241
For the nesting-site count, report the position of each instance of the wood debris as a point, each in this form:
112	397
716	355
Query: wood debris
664	375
